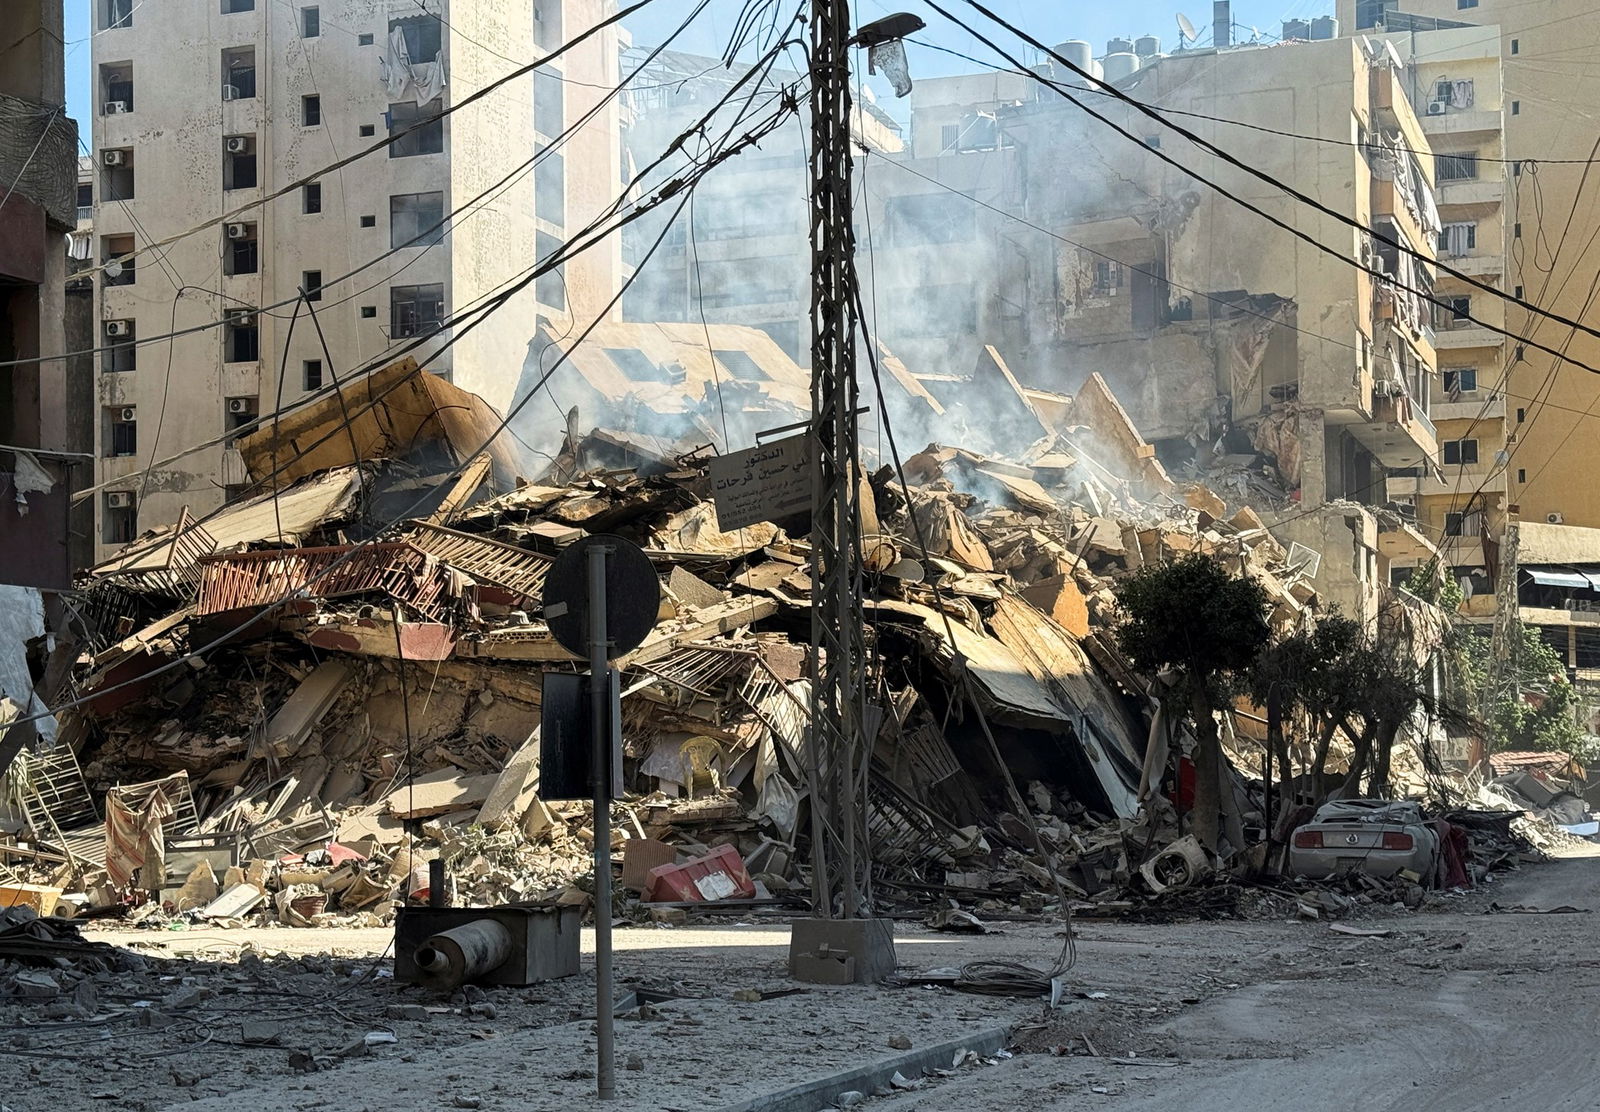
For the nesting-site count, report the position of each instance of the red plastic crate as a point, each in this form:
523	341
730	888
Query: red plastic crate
719	875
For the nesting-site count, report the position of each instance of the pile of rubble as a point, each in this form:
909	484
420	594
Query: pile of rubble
369	689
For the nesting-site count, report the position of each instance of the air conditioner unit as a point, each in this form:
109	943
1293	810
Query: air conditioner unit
1436	107
239	144
1554	518
119	327
230	92
129	413
241	318
238	231
241	405
119	499
116	107
111	158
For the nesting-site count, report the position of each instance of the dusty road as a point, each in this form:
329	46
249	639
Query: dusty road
1452	1011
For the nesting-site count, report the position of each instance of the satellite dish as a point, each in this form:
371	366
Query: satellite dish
1186	31
113	269
1255	36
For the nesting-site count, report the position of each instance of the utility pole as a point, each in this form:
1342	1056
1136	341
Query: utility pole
838	652
1506	640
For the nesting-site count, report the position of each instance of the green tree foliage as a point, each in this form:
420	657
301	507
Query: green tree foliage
1195	620
1534	712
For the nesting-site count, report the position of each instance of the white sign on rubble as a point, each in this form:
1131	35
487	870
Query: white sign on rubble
762	483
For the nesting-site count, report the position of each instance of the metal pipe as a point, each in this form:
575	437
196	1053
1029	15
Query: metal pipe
599	692
451	958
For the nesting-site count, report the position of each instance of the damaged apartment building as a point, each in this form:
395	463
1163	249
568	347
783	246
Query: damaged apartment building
206	111
1280	373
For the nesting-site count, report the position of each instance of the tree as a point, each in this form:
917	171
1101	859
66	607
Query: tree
1194	618
1535	711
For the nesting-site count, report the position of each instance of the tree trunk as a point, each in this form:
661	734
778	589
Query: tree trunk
1278	746
1207	769
1320	760
1358	760
1379	787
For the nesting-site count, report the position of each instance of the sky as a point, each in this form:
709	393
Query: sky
1050	21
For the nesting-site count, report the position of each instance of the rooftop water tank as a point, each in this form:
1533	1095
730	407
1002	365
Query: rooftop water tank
1147	46
1324	27
1076	51
1119	46
1296	29
1119	65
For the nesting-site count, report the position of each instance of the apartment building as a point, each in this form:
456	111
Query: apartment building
40	402
207	109
1548	83
1452	77
1225	337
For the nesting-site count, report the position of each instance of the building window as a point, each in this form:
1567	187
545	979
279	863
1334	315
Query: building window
311	284
239	73
1456	312
1461	452
116	175
416	219
949	134
1463	5
120	352
364	40
1516	230
311	374
549	103
239	162
120	519
427	139
1456	167
310	22
369	312
1459	239
241	337
547	23
422	35
240	417
116	254
1460	380
366	131
1522	474
1515	46
1153	142
116	88
550	288
85	201
1516	291
369	221
1107	277
550	188
741	366
1522	415
122	431
233	7
243	255
311	197
119	13
415	310
311	111
1516	108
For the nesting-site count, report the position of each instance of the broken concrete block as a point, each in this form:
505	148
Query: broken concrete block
414	1012
899	1042
34	984
260	1032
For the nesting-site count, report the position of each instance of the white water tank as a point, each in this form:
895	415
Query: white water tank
1147	46
1119	46
1324	27
1076	51
1119	65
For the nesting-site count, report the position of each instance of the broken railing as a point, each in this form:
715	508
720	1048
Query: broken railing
399	569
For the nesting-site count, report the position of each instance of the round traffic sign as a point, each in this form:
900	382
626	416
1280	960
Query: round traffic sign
632	595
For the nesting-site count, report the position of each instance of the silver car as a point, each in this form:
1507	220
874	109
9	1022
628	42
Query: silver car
1377	837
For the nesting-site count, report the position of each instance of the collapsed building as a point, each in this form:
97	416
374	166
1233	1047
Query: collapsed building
290	705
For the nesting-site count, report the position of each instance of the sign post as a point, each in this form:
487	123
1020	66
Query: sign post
601	600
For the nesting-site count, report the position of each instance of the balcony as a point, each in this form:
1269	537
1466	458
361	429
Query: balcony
1399	434
1477	265
1452	122
1458	481
1470	336
1469	408
1403	543
1478	191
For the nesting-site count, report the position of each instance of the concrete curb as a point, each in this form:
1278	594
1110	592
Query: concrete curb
821	1092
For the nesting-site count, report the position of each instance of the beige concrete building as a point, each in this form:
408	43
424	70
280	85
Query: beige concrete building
205	106
1545	49
1227	339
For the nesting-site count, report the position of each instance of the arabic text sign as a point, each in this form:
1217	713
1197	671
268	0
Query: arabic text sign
758	484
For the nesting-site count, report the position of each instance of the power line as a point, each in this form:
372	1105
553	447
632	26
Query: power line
1237	163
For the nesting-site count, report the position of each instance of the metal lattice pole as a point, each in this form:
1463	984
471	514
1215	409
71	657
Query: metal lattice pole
837	649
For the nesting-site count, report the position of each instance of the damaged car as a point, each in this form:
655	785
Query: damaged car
1376	837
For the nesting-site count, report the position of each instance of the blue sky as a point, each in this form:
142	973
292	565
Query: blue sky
1050	21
